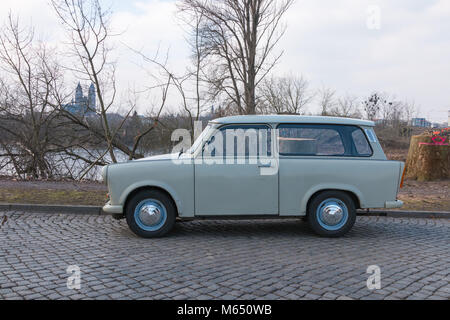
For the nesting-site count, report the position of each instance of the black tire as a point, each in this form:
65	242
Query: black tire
344	226
163	200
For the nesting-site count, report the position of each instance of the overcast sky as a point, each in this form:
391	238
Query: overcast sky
335	43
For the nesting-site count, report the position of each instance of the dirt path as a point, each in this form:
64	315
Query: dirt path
426	196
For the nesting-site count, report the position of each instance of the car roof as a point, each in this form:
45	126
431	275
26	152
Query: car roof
291	119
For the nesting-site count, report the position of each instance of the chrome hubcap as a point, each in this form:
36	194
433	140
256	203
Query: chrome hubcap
150	215
332	215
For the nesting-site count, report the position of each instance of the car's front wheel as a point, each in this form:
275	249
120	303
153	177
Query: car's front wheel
151	214
332	213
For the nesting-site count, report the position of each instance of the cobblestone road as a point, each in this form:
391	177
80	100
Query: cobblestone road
276	259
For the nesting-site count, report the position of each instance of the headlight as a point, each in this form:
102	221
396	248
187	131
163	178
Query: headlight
105	174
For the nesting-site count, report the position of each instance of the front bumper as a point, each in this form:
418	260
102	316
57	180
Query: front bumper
108	208
393	204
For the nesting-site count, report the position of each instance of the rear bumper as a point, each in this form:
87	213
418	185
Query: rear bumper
393	204
113	209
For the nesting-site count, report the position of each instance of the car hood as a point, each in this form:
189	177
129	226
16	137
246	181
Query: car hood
168	156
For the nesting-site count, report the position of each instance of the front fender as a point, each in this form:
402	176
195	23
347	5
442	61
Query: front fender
152	183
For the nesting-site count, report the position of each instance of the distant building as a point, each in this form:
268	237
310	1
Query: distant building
438	125
420	122
83	105
448	122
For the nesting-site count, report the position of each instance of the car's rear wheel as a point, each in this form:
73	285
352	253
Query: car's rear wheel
151	214
332	213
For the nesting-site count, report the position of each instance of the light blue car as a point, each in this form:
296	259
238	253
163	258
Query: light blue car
319	168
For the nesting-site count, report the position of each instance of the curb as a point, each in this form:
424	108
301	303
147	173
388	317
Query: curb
94	210
55	209
405	214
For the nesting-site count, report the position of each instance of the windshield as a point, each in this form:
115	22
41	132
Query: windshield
199	140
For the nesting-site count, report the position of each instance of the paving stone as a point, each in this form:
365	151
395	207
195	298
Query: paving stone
262	259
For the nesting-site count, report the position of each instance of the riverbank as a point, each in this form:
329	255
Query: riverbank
52	192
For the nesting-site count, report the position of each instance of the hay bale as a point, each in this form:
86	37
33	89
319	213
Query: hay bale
427	161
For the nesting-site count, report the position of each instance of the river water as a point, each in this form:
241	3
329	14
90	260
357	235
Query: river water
66	167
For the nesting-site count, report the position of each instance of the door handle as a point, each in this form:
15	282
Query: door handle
265	165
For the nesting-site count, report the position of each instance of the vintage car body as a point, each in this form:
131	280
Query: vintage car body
280	184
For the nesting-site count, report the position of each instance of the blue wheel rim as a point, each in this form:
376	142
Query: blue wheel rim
320	214
152	227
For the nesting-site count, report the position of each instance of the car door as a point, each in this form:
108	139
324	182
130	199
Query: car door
236	173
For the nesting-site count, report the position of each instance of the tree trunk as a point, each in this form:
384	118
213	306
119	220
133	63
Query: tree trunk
427	161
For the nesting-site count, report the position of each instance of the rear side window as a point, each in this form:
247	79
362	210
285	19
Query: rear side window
361	144
371	134
310	141
322	140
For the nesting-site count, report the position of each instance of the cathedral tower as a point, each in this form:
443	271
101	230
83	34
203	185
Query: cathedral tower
92	97
79	94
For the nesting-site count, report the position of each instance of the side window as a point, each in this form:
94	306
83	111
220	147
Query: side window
310	140
241	141
361	144
371	134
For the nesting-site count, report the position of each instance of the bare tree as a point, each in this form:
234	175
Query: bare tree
27	89
189	85
410	111
239	40
347	106
165	79
327	101
373	105
394	111
37	143
90	37
284	95
196	103
89	34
